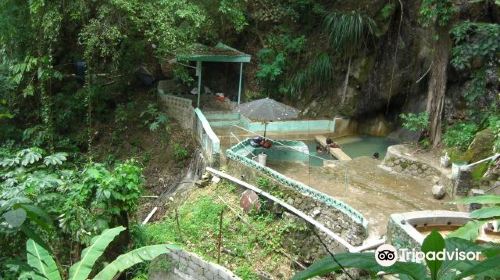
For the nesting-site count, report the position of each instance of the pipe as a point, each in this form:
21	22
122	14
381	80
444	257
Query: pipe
493	157
287	206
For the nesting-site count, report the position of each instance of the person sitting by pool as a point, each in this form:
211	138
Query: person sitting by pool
266	143
256	142
376	155
331	144
319	149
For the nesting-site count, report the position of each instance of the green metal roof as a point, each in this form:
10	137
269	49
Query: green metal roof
219	53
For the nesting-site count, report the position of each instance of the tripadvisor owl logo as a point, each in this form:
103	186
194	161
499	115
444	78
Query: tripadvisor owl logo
386	255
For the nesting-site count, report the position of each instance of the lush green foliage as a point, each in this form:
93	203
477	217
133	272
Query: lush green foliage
440	12
475	51
154	118
55	203
448	269
44	267
349	31
180	152
257	235
320	72
460	135
474	40
489	212
415	122
234	11
494	125
273	62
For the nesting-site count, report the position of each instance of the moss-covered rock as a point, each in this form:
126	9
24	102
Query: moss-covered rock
481	147
361	68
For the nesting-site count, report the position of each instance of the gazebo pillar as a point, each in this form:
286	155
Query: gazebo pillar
198	73
240	84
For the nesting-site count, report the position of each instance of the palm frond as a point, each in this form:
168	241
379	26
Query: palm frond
320	71
348	31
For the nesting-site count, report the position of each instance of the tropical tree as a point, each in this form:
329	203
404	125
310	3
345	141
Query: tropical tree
438	15
348	33
441	17
44	267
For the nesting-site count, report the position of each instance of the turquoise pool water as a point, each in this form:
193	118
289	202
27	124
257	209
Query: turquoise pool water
293	151
297	151
357	146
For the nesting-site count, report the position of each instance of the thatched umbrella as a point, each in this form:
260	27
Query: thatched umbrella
267	110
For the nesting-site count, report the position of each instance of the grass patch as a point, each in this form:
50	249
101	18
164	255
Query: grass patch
253	243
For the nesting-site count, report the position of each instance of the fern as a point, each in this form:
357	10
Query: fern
55	159
10	162
29	156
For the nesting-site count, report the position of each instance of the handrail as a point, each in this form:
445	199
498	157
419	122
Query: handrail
493	157
208	129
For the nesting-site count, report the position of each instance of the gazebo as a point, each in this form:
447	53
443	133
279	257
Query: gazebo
219	53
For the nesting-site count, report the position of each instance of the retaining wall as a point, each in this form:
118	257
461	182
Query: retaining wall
334	214
180	264
181	109
400	160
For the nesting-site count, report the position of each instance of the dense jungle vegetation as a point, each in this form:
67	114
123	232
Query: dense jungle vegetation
82	139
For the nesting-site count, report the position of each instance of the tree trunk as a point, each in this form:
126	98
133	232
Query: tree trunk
437	84
346	82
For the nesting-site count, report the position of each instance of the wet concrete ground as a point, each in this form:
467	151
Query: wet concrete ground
362	183
370	189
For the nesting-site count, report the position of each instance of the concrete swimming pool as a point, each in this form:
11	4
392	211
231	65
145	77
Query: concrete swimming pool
359	183
305	152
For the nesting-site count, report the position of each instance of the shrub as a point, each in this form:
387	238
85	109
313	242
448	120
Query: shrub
415	122
460	135
154	118
180	152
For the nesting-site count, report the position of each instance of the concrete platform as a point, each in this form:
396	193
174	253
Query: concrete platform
336	152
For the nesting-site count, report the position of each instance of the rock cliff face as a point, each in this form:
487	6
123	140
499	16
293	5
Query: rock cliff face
388	76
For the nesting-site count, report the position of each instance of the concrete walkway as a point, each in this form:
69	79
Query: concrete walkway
373	191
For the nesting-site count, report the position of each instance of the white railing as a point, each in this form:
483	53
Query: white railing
207	138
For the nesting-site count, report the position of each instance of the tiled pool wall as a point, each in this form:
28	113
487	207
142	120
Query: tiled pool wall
401	231
237	153
289	151
227	119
